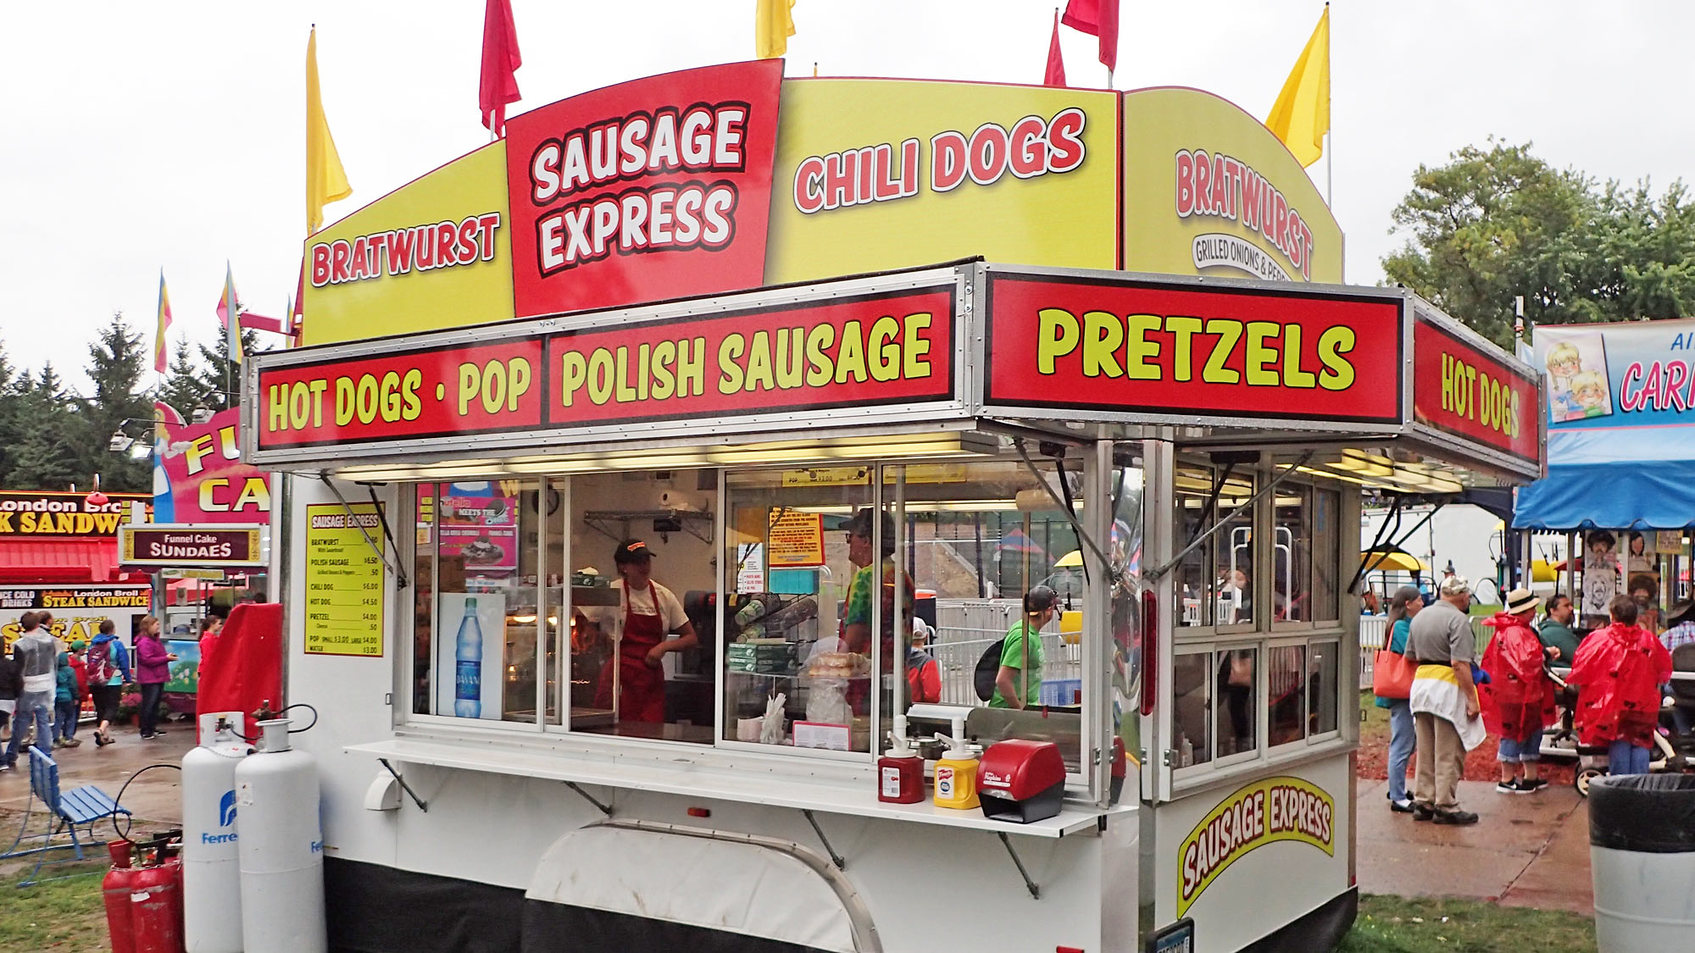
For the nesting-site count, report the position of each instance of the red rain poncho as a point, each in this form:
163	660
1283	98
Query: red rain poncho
1618	671
1519	698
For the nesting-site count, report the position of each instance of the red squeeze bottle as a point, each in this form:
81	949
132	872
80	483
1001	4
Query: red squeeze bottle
900	775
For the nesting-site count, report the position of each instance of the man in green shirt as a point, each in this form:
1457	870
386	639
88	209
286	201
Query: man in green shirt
1018	684
1556	630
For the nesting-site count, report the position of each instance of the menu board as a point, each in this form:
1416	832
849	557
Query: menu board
344	579
483	530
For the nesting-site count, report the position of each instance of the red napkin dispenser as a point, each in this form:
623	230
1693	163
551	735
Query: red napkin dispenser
1021	781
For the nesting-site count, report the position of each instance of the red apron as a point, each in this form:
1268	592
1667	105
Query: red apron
641	688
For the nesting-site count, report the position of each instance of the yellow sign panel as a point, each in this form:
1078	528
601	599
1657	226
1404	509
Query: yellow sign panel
879	174
344	579
1208	190
432	254
1264	812
797	539
858	476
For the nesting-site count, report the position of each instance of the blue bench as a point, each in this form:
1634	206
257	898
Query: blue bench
67	810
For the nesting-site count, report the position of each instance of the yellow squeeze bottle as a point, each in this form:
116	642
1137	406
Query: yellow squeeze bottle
956	776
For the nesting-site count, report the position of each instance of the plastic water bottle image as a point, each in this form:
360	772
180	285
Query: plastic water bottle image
468	673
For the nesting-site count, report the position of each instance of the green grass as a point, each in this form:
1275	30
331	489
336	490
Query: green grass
1442	925
61	916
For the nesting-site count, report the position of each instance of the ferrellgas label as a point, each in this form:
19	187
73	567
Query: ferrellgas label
1224	187
1264	812
886	171
1122	346
1459	388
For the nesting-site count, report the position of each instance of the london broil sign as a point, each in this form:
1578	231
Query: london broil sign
165	544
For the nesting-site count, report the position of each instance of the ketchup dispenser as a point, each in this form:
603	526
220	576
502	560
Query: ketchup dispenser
1021	781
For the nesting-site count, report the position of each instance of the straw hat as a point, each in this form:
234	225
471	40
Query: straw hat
1522	600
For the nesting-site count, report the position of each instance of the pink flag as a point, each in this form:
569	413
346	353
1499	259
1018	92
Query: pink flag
500	59
1055	75
1097	18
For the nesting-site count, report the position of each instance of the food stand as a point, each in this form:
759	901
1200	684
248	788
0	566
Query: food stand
1202	440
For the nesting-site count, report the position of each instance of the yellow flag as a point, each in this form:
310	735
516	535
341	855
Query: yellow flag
326	181
773	24
1301	115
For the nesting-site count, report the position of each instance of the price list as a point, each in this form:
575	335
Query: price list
344	580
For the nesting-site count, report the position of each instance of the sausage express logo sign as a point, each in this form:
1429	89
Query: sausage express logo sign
1127	346
648	190
1257	814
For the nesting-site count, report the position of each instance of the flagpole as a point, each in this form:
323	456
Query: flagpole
1329	124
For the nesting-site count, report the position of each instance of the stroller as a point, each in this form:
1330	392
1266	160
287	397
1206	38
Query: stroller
1672	752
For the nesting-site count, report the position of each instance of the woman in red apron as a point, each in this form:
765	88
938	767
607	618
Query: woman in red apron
648	614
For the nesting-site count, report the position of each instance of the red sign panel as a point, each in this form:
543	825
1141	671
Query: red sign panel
874	349
1459	388
425	393
1139	347
648	190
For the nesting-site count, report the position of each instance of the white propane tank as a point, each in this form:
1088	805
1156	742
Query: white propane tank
281	847
211	885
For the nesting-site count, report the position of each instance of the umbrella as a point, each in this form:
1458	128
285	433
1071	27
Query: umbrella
1016	541
1069	560
1388	560
1544	571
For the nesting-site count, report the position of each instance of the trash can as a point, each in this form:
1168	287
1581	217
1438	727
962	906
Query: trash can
1642	861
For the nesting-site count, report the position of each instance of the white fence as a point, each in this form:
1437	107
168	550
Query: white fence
965	628
1374	634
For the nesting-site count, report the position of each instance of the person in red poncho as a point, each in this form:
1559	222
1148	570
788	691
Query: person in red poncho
1518	699
1619	671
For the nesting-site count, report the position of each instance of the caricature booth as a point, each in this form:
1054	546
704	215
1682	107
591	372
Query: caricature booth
630	319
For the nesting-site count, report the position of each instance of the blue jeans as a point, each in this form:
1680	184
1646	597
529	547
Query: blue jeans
66	727
1622	758
1401	743
37	706
148	715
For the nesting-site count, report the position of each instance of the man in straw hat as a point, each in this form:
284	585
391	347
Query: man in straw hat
1518	699
1444	703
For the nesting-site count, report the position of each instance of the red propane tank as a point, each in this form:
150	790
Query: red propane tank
156	908
116	888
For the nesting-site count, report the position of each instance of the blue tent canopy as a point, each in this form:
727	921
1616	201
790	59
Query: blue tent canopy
1651	495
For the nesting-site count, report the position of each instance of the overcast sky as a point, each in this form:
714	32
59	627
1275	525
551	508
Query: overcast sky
170	135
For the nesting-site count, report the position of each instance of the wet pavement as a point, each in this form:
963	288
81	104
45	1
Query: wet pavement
1526	850
155	797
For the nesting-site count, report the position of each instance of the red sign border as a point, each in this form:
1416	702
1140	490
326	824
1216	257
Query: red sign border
945	393
1534	380
988	309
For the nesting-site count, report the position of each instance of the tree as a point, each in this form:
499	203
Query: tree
221	369
116	363
11	417
185	383
1500	222
48	456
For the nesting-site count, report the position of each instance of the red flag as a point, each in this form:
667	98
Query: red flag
1055	75
500	59
1097	18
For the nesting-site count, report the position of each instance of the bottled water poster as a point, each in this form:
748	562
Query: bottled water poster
468	654
344	579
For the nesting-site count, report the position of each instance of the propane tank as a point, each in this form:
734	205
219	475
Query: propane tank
281	849
211	882
116	889
156	907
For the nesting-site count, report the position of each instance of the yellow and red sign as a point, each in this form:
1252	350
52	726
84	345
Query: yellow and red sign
937	171
1263	812
1208	190
1124	345
38	514
1459	388
657	188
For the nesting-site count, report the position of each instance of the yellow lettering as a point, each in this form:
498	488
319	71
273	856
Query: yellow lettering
276	408
1293	374
791	352
729	372
600	376
469	377
573	373
208	495
1057	334
759	373
1338	373
819	368
664	382
914	349
1103	335
410	406
885	355
620	382
691	367
198	450
1260	354
1229	332
850	360
1137	347
257	492
1183	330
343	401
519	385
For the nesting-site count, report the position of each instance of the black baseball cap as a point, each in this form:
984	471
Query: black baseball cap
631	550
1040	599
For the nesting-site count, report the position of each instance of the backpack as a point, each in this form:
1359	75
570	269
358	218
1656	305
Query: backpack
988	666
101	668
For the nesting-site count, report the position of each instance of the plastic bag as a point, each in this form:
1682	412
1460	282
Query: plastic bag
771	727
827	702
